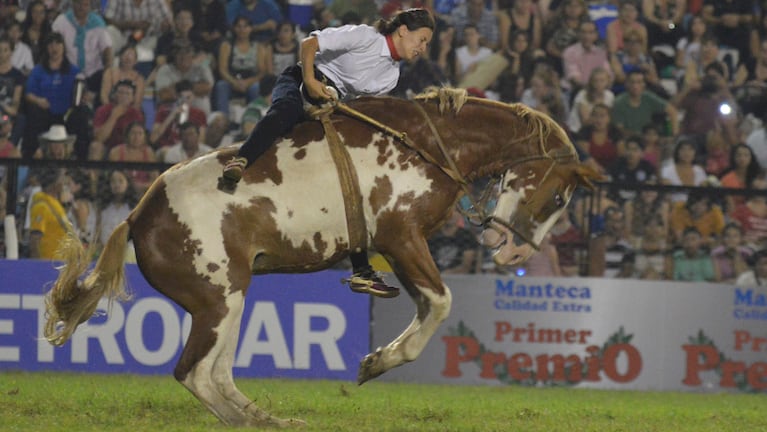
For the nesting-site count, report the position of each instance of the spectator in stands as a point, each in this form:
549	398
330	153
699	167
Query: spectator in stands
697	212
241	65
688	49
683	171
115	205
731	21
655	147
475	12
743	170
570	244
35	29
189	147
730	256
520	16
55	143
544	84
581	58
752	216
634	57
628	19
49	91
88	44
589	210
171	114
11	81
183	32
597	91
137	21
561	31
708	105
111	120
365	11
263	14
210	22
524	59
757	141
48	219
284	47
217	133
651	259
664	20
757	276
258	107
609	249
630	169
8	10
182	67
22	55
453	247
709	54
135	148
638	107
124	70
692	262
470	53
601	138
81	211
7	148
641	208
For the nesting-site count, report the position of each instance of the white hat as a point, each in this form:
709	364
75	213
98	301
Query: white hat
57	133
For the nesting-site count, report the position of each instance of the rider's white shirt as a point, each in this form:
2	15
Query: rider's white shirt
357	59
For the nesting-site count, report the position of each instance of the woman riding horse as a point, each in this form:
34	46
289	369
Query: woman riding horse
353	60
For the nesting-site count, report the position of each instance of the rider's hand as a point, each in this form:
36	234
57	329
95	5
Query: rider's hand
318	90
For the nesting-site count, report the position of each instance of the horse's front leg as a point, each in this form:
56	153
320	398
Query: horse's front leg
419	275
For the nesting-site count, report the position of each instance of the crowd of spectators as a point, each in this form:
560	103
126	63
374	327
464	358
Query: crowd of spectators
667	92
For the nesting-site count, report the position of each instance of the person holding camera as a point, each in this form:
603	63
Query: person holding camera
709	107
170	115
112	119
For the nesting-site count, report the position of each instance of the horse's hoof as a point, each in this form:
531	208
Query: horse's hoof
370	367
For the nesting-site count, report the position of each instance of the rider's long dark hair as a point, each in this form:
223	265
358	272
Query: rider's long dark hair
414	19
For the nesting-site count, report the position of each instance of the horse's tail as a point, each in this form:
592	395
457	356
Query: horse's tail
72	301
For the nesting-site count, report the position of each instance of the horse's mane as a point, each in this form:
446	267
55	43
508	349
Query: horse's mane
539	125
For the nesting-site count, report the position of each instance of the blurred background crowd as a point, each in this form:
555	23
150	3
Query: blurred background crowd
654	93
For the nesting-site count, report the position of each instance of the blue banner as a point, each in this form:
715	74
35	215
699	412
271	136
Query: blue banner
296	326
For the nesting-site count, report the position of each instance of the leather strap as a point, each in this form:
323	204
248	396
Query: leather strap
350	186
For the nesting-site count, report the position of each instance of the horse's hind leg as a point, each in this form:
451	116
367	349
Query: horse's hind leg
205	367
420	276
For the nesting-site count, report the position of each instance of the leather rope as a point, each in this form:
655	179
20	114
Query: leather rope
350	185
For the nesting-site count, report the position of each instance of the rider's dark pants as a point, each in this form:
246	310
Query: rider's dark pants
286	110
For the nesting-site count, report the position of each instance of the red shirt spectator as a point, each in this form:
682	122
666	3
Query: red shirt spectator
168	115
117	135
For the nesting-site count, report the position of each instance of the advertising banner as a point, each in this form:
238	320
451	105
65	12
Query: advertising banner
298	326
584	332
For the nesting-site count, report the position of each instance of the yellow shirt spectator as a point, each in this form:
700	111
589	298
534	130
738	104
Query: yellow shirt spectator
48	218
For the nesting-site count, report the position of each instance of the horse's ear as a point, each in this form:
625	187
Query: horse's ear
586	173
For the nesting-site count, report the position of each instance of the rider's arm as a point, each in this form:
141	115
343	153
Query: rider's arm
315	88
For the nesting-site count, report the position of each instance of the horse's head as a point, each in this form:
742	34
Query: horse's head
532	197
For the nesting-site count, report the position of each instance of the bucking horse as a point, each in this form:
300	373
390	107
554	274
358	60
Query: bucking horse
410	162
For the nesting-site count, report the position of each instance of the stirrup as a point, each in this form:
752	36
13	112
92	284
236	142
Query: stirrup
369	282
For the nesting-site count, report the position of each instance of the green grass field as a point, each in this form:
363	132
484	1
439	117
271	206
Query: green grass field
79	402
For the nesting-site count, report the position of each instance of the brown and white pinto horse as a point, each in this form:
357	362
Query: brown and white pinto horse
200	246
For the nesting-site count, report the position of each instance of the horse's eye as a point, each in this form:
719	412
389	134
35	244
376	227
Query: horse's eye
559	201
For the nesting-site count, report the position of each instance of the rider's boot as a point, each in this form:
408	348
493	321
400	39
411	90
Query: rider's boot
232	173
368	281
